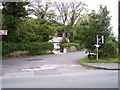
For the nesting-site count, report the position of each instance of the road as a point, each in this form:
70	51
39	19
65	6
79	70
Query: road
54	71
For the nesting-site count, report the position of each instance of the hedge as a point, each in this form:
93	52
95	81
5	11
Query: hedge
69	44
33	48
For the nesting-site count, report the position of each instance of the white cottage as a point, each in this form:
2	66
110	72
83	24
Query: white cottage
56	41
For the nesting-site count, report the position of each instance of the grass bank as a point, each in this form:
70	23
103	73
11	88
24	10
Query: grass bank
111	60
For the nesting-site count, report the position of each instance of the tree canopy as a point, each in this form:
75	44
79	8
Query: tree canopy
97	24
13	13
72	17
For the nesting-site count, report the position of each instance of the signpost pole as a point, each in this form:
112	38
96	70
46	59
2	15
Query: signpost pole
100	39
97	54
97	48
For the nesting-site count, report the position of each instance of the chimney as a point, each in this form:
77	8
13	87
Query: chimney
56	34
63	35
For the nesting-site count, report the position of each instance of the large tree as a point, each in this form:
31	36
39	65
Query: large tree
13	13
37	30
70	13
0	23
97	24
119	27
0	18
42	9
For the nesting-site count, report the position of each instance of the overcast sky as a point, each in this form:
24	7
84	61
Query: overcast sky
112	6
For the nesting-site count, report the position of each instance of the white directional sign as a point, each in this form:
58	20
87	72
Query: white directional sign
97	45
100	39
3	32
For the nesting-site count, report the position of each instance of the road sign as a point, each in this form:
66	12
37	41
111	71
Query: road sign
97	45
3	32
100	39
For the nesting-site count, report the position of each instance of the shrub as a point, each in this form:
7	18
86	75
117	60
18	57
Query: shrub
0	48
69	44
108	50
33	48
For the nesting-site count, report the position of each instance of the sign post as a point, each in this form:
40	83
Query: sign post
97	46
100	40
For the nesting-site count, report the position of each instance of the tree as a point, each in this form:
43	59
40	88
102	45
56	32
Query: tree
69	13
105	29
37	30
97	24
0	23
119	28
42	10
13	13
86	31
1	18
63	9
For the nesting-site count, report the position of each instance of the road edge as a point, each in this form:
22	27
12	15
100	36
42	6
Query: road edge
94	67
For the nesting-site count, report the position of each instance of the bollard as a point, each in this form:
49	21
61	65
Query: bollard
64	50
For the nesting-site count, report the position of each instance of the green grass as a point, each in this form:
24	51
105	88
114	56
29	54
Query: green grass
111	60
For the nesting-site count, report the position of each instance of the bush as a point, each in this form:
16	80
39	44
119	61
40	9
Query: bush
36	30
70	44
108	50
33	48
0	48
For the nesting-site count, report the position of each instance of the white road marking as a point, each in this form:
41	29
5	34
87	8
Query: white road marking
49	66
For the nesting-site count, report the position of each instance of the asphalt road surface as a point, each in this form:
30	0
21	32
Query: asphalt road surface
54	71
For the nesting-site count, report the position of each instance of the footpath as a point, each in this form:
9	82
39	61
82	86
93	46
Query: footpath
103	66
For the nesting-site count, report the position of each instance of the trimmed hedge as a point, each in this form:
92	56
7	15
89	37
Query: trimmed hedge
69	44
33	48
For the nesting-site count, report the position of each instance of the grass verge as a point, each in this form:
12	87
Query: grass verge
111	60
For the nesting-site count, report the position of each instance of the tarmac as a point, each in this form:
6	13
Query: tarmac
103	66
